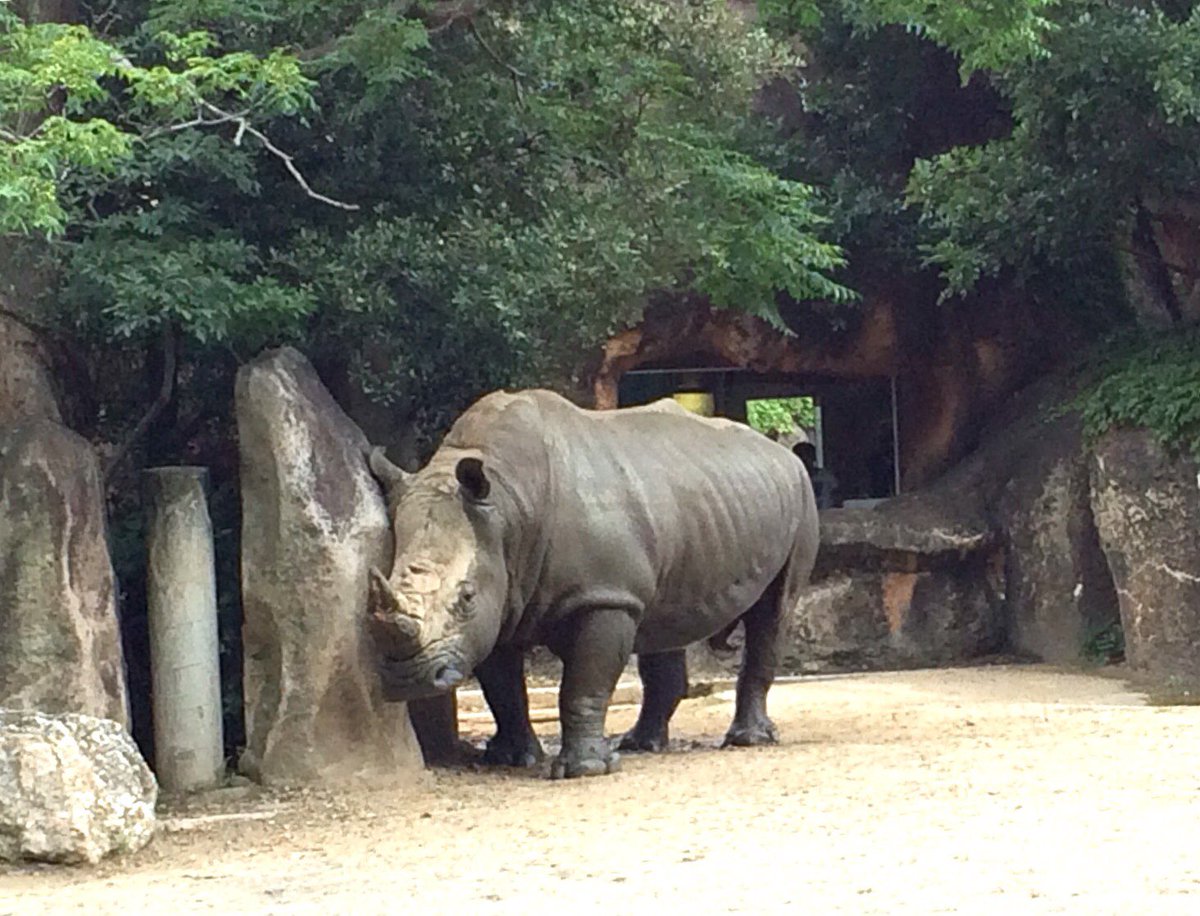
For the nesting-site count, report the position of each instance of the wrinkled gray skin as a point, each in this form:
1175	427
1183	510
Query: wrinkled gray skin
597	534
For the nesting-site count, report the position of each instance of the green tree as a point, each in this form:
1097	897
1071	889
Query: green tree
1062	164
781	415
56	79
443	198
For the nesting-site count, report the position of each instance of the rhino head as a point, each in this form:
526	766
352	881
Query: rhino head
438	614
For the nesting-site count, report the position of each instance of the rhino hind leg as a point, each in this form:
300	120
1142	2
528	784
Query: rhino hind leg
502	677
760	657
593	657
664	684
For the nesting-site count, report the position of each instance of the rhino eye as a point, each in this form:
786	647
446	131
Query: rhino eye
468	591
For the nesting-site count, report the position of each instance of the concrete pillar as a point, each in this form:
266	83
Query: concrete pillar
182	601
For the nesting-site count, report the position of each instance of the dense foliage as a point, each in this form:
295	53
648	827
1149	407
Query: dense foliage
1119	127
1071	117
1154	383
781	415
444	197
448	197
1048	146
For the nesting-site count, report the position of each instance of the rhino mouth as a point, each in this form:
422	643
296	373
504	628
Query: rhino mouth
434	671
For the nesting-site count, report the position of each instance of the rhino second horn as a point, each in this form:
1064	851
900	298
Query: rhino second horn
393	478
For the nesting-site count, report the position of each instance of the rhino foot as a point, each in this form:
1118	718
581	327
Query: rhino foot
502	753
565	767
636	742
753	735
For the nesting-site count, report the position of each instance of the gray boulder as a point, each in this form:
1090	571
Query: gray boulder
999	554
61	645
1147	507
314	523
26	380
73	789
1059	591
907	583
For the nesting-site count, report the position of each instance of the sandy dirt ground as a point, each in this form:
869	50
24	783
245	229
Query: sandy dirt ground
984	790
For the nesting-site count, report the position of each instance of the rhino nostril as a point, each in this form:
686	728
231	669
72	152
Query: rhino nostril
447	677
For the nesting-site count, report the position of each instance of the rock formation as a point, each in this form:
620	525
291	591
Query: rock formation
1147	507
313	522
999	554
896	588
1059	591
61	650
26	381
72	789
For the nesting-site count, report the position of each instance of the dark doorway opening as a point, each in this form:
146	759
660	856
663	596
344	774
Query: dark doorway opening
852	436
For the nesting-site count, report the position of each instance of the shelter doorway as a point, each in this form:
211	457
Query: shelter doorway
853	429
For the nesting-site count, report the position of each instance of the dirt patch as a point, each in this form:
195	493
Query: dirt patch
924	792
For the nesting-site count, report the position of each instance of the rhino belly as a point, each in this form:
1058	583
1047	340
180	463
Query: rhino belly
673	621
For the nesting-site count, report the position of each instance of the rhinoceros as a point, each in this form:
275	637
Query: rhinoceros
598	534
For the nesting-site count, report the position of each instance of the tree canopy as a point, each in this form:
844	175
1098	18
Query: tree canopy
455	195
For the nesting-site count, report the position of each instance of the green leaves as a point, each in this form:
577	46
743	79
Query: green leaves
558	166
986	34
1148	382
385	48
765	243
138	275
30	170
530	177
70	101
1102	102
781	415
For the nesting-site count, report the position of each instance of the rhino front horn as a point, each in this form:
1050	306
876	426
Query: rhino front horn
397	632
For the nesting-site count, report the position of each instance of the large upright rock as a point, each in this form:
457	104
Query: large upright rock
60	644
1147	508
313	523
1060	594
72	789
26	382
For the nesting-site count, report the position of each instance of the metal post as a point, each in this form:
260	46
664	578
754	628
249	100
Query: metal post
895	437
182	602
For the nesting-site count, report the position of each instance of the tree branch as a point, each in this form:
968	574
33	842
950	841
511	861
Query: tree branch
198	121
218	116
245	127
165	392
439	16
513	72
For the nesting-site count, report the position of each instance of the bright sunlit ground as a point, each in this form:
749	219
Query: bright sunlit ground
1002	789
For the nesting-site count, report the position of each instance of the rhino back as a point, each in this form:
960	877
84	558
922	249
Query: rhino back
685	519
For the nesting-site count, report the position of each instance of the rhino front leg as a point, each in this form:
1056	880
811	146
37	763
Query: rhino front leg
664	684
593	656
502	677
760	656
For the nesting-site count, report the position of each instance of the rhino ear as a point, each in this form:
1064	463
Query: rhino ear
472	479
394	479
